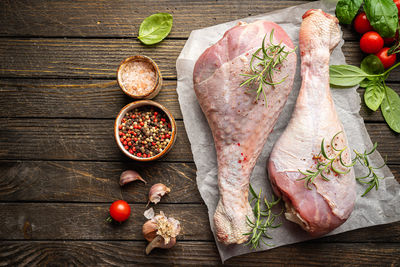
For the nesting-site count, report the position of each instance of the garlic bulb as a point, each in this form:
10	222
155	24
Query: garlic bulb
161	232
157	191
130	176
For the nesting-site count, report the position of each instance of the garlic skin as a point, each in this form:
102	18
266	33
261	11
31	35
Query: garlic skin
130	176
161	232
157	191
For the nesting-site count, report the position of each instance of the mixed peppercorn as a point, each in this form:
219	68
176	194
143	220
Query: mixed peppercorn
145	131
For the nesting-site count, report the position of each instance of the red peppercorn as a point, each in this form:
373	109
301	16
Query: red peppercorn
131	151
128	139
135	139
144	155
122	139
141	123
126	147
129	143
139	154
120	127
155	113
125	143
121	133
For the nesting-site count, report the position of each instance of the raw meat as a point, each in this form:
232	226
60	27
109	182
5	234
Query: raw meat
239	124
329	203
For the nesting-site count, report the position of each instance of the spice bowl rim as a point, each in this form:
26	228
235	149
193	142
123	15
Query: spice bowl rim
157	85
137	104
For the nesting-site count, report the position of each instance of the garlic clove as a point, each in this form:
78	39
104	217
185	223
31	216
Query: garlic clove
158	242
149	230
161	232
157	191
130	176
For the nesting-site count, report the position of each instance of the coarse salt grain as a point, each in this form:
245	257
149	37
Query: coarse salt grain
138	77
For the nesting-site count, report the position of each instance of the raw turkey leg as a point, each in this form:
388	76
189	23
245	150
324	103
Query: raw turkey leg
239	124
329	203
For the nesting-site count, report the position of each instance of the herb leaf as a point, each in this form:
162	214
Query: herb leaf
155	28
391	109
325	166
382	14
264	65
265	219
374	95
346	10
372	65
346	75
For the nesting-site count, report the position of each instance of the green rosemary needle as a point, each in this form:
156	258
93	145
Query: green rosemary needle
325	165
265	219
362	158
264	62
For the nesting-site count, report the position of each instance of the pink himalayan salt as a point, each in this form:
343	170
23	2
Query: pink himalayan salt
138	77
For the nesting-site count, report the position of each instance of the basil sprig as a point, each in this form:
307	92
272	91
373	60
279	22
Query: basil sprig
377	94
382	14
346	10
155	28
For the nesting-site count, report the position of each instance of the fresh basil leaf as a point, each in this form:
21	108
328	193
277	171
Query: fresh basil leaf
346	75
382	14
155	28
391	109
346	10
372	65
374	95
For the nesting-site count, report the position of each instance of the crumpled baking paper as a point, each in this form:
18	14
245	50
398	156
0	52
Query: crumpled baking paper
378	207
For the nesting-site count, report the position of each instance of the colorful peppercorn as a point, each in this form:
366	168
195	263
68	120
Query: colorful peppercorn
145	131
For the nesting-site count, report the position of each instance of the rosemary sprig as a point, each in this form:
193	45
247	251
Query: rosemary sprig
263	66
362	158
265	219
325	166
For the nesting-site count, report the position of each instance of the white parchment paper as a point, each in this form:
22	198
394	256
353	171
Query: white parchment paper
378	207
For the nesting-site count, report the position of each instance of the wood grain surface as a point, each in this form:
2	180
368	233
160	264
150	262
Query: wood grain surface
60	166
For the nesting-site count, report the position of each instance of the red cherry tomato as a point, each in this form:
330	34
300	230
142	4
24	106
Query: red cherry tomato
361	23
371	42
120	210
387	60
397	2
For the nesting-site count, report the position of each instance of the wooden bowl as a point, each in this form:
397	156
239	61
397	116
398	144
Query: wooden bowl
137	104
127	79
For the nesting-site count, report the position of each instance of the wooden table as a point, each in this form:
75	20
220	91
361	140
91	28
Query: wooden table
60	165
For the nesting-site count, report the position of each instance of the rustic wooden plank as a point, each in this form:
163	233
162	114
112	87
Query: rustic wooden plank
122	18
117	253
87	221
84	139
98	181
99	58
73	98
88	58
93	99
72	139
98	19
94	181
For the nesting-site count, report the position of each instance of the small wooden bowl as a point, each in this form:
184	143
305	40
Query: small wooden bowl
142	103
123	69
